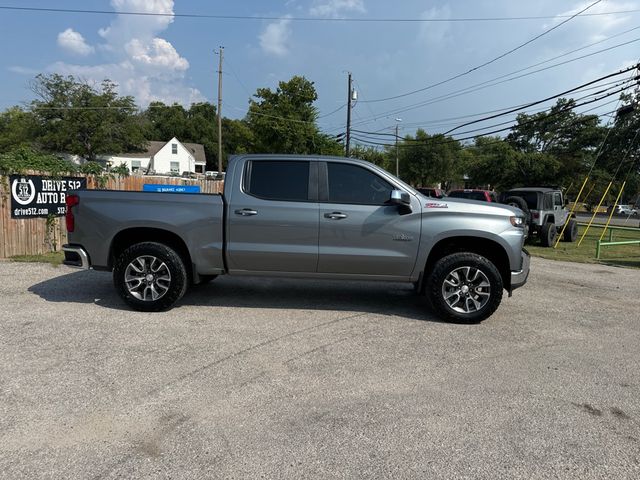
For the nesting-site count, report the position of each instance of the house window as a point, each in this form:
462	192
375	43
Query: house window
174	148
135	165
175	166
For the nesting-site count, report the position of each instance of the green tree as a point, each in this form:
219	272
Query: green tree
428	159
373	155
78	118
491	161
284	121
560	138
17	128
166	122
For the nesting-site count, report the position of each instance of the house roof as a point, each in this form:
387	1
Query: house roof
154	146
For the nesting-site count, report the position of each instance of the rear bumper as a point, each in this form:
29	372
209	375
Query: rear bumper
75	256
519	278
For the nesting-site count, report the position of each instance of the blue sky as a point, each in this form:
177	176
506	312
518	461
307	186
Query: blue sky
173	59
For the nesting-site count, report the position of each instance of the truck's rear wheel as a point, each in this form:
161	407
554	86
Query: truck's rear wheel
150	276
464	287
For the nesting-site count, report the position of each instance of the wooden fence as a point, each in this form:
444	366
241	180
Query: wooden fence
35	236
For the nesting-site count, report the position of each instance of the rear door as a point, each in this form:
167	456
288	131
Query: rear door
273	217
359	233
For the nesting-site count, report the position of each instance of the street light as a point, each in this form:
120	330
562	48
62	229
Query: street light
398	120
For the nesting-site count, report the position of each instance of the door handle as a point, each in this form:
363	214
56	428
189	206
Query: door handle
335	215
246	212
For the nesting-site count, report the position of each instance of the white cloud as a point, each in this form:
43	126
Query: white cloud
141	62
332	8
434	32
74	43
275	37
597	27
159	53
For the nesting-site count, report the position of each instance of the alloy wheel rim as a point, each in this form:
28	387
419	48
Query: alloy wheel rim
147	278
466	290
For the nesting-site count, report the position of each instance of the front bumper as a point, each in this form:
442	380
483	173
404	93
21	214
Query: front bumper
75	256
519	278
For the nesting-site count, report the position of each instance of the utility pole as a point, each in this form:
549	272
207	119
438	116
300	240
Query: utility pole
346	153
221	53
398	120
397	160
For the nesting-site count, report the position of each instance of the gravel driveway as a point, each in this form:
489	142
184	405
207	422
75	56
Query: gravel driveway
251	378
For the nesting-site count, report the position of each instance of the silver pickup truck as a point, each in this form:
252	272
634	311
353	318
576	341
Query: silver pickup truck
301	216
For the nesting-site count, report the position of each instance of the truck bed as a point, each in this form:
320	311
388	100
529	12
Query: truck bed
103	216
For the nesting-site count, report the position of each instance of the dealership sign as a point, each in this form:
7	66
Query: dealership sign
34	196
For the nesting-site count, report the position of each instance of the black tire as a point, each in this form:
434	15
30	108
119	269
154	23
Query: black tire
169	282
548	234
475	274
521	204
571	231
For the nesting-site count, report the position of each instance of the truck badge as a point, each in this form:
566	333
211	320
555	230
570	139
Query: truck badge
402	237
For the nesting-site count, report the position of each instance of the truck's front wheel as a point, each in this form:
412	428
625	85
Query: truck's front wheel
465	287
150	276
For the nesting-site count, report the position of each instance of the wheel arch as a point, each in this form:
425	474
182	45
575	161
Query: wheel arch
130	236
485	247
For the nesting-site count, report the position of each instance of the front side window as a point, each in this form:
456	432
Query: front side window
135	165
175	166
279	180
356	185
174	148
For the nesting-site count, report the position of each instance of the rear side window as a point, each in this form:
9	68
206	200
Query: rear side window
279	180
356	185
557	199
548	201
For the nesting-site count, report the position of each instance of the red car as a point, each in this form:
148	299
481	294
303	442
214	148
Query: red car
471	194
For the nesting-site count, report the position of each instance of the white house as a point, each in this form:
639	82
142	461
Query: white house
172	157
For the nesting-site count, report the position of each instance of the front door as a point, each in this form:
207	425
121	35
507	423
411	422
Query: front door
273	217
359	233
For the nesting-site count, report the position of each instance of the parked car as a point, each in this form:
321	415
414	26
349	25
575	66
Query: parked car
431	192
298	216
545	211
472	194
625	210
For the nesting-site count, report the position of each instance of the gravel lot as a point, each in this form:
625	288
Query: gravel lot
253	378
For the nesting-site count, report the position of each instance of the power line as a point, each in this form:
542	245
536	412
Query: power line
311	19
571	90
489	62
431	141
445	122
488	83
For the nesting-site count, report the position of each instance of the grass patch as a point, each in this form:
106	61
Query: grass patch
53	258
620	255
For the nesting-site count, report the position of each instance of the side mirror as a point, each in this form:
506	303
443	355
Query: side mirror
399	198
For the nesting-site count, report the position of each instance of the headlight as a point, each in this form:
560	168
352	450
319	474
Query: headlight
517	221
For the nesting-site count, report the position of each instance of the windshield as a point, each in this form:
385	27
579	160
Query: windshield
470	195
